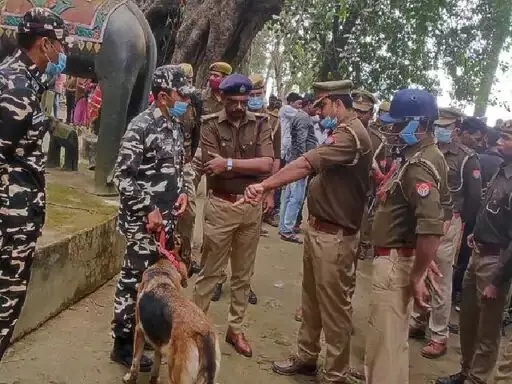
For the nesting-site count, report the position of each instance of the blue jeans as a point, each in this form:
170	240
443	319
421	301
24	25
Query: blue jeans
291	204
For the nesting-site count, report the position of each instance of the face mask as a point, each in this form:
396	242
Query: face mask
256	103
214	83
53	69
178	110
443	135
408	133
329	123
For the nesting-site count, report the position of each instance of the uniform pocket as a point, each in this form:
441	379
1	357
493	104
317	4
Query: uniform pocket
227	146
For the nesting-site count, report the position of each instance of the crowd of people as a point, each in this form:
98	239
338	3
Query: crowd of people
416	188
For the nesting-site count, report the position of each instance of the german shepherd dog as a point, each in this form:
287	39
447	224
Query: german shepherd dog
174	326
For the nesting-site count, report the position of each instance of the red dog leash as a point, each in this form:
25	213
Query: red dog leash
170	255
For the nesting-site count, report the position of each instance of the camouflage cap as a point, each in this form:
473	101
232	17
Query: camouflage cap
43	22
363	100
506	128
221	67
328	88
449	116
257	80
172	77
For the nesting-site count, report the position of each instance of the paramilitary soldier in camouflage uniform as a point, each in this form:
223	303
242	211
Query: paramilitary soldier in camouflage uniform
408	225
465	186
149	177
487	280
41	35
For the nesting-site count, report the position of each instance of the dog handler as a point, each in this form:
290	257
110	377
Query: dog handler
149	177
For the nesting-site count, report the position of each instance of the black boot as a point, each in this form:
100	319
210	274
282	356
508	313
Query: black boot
217	292
458	378
122	353
253	299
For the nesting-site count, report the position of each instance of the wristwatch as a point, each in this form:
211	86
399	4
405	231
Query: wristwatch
229	164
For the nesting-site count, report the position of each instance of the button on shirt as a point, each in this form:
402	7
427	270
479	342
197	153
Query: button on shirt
494	221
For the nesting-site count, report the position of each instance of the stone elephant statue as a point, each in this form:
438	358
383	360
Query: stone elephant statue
113	45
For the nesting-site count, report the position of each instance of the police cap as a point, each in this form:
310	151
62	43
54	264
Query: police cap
221	67
257	80
236	85
363	100
384	106
187	69
408	104
448	116
473	125
43	22
330	88
172	77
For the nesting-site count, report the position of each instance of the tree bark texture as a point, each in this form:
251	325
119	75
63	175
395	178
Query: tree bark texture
213	30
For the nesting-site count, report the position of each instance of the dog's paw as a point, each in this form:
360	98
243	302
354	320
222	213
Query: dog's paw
129	379
154	380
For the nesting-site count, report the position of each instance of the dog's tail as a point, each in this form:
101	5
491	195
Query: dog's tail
211	353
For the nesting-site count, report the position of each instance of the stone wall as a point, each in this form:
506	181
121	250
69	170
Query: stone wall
65	271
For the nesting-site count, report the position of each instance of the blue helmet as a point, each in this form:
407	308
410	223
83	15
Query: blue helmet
411	104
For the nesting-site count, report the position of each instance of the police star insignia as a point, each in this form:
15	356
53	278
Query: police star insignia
243	89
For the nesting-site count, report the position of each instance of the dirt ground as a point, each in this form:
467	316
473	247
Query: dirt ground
74	347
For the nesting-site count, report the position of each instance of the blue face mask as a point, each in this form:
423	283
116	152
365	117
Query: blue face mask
178	110
53	69
408	134
329	123
255	103
443	135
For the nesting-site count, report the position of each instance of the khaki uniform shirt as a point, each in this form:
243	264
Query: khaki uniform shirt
275	127
464	180
337	194
251	139
415	200
210	103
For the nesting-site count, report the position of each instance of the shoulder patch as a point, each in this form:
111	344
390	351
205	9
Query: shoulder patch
423	189
475	173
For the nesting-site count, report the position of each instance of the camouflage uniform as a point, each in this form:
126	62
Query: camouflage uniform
148	175
22	166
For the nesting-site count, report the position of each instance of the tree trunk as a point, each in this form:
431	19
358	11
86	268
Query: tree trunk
502	17
214	30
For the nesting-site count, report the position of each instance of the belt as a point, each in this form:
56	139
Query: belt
404	252
328	227
232	198
488	249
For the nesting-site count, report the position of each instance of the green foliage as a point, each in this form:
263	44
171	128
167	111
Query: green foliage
385	45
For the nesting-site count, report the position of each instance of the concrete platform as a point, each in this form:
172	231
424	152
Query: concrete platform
78	252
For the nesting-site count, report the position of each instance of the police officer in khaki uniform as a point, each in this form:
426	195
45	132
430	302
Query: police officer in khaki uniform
487	280
406	233
212	97
364	105
236	150
336	199
465	186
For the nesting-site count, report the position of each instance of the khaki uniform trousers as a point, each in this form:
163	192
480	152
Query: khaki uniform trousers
229	233
387	347
328	265
439	317
480	320
504	371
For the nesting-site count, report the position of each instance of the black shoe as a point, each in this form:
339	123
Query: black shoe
217	292
453	328
122	353
416	333
253	299
458	378
194	269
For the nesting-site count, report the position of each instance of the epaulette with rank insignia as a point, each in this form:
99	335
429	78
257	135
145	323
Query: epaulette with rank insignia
209	117
261	115
273	113
468	151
